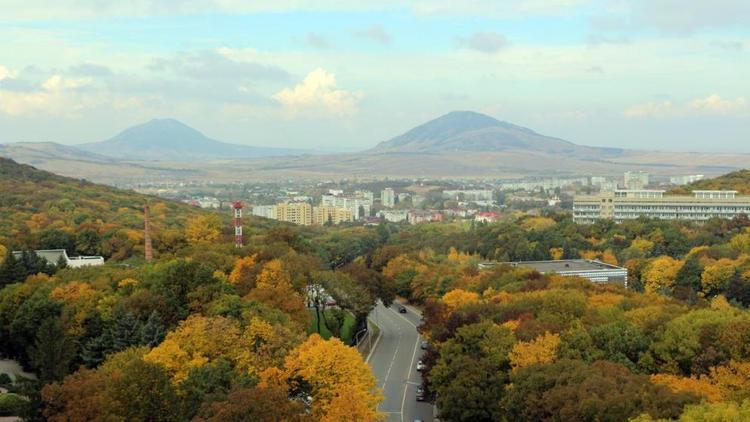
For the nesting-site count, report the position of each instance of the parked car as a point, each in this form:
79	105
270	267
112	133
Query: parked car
401	309
420	393
420	366
425	345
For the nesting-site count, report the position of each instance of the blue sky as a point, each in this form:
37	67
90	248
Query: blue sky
655	74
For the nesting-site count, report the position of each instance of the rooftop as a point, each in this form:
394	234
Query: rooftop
565	265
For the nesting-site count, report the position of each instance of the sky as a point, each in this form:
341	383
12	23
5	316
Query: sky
345	75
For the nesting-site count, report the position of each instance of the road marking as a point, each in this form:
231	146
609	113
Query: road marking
411	364
398	344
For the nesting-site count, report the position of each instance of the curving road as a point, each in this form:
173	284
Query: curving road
393	361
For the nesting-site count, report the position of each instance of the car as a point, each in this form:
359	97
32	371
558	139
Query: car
420	393
421	366
425	345
401	309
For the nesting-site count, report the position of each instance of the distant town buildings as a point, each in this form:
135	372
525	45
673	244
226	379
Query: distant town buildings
423	216
360	203
684	180
394	216
624	205
635	180
388	198
472	195
486	217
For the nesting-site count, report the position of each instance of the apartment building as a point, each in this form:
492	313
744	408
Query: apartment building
294	212
622	205
360	204
323	215
388	198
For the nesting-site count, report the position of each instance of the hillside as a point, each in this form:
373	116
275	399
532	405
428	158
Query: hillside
736	180
467	131
172	140
43	210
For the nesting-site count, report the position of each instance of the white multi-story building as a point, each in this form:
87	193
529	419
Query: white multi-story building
265	211
635	180
623	205
684	180
359	204
388	198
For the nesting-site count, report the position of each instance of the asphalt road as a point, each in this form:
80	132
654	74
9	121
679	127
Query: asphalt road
394	360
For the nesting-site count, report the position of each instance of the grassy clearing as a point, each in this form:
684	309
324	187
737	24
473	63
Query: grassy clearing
330	325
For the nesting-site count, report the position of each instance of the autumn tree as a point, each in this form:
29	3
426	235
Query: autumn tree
541	350
333	374
203	229
660	274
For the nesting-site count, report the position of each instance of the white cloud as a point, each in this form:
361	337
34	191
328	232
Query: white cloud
711	105
717	105
318	92
6	73
650	109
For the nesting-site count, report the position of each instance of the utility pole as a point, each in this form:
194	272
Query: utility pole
148	250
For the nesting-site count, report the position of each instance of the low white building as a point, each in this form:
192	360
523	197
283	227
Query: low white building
53	256
393	216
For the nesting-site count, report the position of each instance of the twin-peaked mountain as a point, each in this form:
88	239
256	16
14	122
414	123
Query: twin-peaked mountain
457	144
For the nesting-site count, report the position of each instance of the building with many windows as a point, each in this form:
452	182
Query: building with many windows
294	212
333	215
623	205
388	198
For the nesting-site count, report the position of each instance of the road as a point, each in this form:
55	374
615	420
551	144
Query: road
393	361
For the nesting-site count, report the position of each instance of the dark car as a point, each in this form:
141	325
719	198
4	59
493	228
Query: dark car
420	393
425	345
401	309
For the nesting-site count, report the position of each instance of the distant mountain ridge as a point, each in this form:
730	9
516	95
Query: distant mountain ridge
468	131
172	140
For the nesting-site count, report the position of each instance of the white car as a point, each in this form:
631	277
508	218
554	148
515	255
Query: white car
421	366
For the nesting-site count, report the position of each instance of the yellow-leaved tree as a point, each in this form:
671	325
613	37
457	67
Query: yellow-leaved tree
538	351
244	274
203	229
660	273
717	275
457	298
274	288
3	252
341	383
701	387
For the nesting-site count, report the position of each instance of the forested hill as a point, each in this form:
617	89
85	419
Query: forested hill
736	180
41	210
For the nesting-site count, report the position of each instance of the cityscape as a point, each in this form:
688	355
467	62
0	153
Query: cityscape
375	211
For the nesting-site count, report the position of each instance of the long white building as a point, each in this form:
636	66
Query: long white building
622	205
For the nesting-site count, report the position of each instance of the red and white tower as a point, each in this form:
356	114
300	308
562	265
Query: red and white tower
237	224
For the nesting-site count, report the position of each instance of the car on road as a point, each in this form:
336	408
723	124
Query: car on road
421	366
425	345
401	309
420	393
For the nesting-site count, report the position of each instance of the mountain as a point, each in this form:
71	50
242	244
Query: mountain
38	152
172	140
468	131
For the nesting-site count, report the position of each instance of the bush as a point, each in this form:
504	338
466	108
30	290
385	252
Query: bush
5	379
11	404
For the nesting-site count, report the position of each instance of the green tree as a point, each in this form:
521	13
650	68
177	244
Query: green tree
52	352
